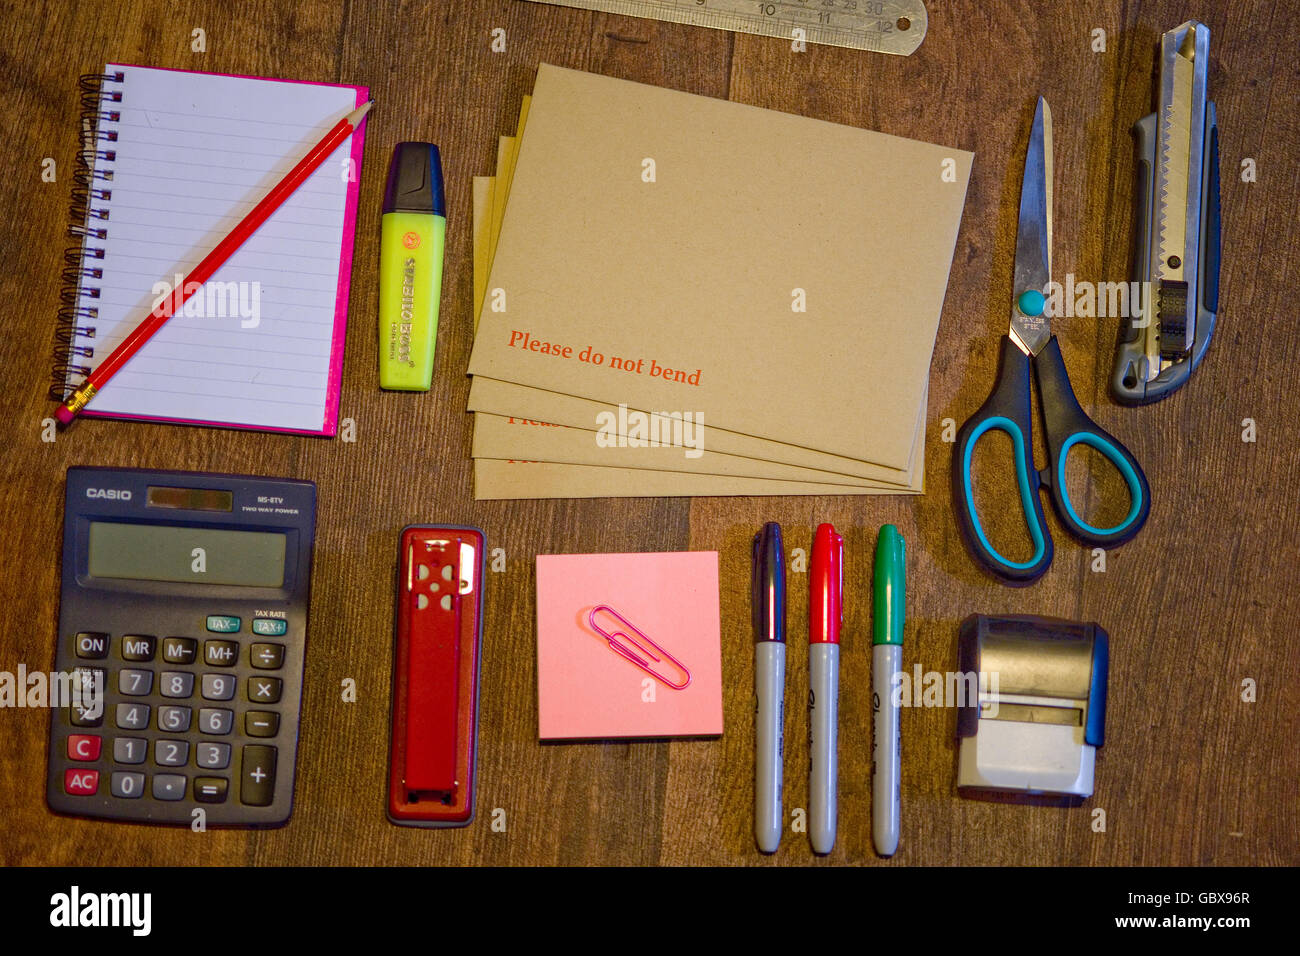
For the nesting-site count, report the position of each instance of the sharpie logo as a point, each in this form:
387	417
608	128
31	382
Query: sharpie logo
113	494
408	308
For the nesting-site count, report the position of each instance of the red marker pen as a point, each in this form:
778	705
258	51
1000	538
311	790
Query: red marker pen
825	615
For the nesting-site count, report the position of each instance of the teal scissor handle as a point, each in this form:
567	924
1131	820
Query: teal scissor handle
1007	409
1067	426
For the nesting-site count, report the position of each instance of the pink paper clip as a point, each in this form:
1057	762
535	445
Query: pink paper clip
619	647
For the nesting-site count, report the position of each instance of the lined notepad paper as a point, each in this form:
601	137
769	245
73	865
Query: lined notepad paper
261	345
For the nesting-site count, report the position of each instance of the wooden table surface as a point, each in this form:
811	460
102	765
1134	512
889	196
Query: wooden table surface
1203	600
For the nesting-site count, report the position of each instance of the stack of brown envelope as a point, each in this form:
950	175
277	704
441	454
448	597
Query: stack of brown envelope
680	295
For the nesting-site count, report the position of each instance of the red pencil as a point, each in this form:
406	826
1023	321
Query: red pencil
210	264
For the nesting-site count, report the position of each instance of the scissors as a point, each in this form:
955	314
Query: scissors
1030	342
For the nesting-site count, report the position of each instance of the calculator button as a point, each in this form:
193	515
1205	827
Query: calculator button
267	657
139	647
130	749
80	715
129	786
174	719
171	753
218	686
180	650
82	783
264	690
168	786
133	716
212	756
87	706
261	723
91	644
90	682
257	785
223	624
210	789
84	746
270	626
215	720
220	653
134	683
175	684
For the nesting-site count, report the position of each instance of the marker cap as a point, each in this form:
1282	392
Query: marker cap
415	180
767	586
826	598
890	587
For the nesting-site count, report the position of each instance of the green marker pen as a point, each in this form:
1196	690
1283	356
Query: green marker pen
886	661
413	231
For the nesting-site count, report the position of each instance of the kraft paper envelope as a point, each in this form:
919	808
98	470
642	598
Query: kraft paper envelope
585	690
495	481
482	225
498	479
504	399
694	269
498	436
519	401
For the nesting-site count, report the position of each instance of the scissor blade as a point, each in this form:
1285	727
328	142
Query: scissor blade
1030	328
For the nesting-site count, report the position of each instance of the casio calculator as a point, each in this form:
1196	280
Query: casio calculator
182	627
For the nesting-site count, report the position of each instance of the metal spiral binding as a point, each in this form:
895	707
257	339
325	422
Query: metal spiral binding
92	181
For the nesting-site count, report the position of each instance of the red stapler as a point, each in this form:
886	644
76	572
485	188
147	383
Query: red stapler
435	680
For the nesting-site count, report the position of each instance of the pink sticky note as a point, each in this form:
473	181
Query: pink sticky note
585	689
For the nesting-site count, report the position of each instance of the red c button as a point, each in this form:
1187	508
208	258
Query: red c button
84	747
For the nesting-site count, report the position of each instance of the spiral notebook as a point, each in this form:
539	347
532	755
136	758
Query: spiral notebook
171	161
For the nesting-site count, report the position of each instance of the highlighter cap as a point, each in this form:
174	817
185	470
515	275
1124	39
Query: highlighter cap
415	180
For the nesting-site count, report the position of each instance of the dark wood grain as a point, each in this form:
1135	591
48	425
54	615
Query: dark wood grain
1204	598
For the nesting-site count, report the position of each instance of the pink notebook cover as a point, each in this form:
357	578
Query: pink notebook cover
193	152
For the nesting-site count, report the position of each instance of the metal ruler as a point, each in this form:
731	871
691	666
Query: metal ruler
881	26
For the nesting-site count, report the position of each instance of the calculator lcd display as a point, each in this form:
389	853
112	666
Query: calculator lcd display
150	552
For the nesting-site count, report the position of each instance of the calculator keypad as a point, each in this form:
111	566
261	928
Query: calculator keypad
162	743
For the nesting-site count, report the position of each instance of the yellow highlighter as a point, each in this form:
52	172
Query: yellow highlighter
413	231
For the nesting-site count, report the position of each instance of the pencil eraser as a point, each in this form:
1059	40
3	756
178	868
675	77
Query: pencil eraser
64	416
